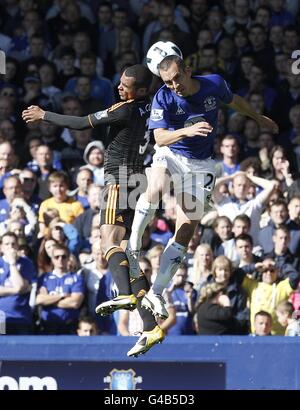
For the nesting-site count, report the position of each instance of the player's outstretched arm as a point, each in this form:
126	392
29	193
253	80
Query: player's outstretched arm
242	106
35	113
165	137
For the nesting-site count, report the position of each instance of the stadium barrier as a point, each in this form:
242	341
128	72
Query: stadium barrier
180	363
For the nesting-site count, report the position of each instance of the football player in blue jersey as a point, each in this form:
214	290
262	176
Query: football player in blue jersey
184	119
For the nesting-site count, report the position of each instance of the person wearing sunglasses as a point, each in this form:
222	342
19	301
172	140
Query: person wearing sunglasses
267	293
60	295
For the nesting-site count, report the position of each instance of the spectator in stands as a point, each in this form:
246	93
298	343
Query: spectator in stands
87	326
184	297
288	319
98	282
244	249
44	261
238	204
94	157
214	315
230	152
202	266
28	181
83	223
68	208
268	293
294	209
279	216
71	156
12	189
7	161
16	276
281	253
262	324
224	274
60	295
44	162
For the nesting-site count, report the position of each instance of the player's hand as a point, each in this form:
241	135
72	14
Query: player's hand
200	129
266	122
33	113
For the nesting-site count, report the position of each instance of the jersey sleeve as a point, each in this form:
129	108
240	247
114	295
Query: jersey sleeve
117	113
159	117
225	94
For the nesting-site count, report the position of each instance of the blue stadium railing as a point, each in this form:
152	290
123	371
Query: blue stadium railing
186	362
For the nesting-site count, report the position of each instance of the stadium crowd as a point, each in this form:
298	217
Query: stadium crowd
241	274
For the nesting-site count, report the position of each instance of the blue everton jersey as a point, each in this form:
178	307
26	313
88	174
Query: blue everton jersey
16	307
66	284
172	112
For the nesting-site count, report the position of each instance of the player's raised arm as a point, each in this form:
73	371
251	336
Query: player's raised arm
35	113
240	105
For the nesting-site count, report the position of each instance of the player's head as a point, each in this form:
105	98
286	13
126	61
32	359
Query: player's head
135	82
176	75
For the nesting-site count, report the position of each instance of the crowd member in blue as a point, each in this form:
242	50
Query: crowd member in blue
60	294
16	276
184	119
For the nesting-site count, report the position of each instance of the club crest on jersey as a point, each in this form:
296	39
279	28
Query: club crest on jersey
210	103
101	114
156	114
179	111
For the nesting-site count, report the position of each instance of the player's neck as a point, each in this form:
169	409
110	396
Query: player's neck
194	87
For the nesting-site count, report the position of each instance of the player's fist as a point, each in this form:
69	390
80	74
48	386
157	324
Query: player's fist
33	113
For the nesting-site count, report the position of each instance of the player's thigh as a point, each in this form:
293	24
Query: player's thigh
111	235
157	183
186	221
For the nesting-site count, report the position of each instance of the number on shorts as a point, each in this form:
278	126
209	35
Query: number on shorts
210	183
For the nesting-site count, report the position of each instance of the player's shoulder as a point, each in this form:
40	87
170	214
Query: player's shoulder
211	78
121	105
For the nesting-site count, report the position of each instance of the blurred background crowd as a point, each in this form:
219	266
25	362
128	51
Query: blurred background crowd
242	270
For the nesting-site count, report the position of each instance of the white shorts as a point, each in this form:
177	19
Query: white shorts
195	177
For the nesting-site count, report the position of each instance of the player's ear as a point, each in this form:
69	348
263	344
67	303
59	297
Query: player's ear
188	70
141	92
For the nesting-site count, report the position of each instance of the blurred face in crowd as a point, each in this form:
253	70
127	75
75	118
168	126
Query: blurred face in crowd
204	37
33	146
294	209
155	259
6	154
84	180
295	116
6	108
222	273
8	243
257	37
12	188
223	229
87	329
44	156
269	272
71	107
96	157
94	196
240	187
204	256
241	8
240	39
257	103
28	181
244	249
246	65
8	130
60	259
229	148
146	268
266	141
59	190
37	46
88	66
262	325
278	159
49	245
262	17
276	36
104	14
290	39
239	227
81	44
180	277
281	240
47	75
83	87
278	214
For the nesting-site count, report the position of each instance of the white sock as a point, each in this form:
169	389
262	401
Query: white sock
144	213
170	260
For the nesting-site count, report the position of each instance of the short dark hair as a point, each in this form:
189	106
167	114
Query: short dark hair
243	217
244	237
263	313
141	74
168	60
